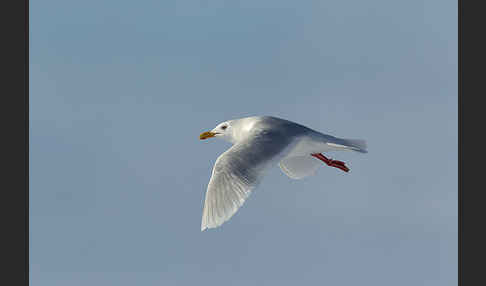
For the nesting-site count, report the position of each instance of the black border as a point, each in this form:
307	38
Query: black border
14	211
27	124
471	194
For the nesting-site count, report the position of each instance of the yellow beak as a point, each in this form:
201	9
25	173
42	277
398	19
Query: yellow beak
206	135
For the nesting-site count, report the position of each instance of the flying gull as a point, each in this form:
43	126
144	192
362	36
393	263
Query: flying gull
258	143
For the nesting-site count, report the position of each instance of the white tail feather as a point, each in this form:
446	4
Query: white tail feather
356	144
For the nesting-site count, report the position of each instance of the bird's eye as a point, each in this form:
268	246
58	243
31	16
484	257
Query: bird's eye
224	127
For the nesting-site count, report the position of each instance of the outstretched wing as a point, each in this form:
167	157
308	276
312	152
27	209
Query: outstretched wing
235	174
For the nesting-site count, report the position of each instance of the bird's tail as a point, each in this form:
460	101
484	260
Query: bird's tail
358	145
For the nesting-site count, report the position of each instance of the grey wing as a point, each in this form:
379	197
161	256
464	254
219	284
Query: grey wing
235	174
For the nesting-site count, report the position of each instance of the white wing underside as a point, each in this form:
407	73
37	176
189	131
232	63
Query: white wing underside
235	174
299	163
227	191
300	166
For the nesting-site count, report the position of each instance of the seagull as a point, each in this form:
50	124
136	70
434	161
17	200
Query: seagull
258	143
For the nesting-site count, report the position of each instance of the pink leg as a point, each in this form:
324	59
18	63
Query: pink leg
330	162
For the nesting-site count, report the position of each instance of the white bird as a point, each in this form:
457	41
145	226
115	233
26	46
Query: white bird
258	142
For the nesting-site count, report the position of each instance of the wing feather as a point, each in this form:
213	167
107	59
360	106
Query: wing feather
298	167
236	173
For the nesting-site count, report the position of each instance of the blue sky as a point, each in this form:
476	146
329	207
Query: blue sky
120	90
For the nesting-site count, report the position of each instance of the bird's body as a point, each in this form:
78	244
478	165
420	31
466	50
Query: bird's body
258	143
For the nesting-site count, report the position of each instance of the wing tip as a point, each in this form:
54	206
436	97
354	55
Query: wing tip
205	227
218	222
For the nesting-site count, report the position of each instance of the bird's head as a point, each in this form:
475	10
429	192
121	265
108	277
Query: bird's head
224	130
233	130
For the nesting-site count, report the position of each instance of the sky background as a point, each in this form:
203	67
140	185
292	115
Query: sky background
121	90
